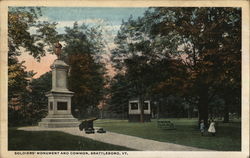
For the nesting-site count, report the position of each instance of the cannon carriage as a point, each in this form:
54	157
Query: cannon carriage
88	126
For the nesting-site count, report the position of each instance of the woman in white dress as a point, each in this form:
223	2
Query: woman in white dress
211	128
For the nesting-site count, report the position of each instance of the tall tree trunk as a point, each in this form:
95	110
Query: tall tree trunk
226	114
188	113
141	103
203	108
158	110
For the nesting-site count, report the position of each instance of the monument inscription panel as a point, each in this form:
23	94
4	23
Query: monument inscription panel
62	105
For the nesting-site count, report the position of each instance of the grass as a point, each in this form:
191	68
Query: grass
50	140
228	136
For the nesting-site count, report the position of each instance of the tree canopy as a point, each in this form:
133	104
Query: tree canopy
82	51
200	49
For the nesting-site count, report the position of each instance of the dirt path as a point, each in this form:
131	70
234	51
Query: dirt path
121	140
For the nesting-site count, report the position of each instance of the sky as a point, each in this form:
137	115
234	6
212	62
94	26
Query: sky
110	18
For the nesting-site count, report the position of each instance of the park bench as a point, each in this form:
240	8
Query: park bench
164	124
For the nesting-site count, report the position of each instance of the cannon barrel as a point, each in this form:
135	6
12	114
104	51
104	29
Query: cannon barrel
92	119
87	124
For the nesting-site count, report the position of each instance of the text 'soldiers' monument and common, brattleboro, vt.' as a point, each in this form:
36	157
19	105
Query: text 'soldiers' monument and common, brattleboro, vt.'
59	98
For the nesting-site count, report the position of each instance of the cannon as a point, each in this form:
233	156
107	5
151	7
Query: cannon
87	125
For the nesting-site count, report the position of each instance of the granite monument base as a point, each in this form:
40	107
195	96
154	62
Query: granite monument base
59	121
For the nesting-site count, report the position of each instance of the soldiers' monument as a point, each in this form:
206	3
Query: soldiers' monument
59	98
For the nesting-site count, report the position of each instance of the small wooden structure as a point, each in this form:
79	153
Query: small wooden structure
134	111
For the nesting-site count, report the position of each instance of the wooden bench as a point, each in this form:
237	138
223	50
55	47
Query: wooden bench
164	124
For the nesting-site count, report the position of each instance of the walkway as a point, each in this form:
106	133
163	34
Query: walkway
136	143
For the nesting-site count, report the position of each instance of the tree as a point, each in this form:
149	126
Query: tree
20	38
120	93
204	45
131	56
200	39
20	22
17	93
82	50
144	60
38	107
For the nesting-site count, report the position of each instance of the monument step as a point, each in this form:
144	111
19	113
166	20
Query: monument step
58	124
59	116
59	119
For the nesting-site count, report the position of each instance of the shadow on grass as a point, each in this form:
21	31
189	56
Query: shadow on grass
51	140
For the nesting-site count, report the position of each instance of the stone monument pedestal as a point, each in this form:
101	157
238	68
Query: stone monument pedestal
59	99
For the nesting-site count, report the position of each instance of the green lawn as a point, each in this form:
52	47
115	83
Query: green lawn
228	136
43	140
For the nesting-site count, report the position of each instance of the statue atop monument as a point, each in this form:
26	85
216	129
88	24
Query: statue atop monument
58	50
